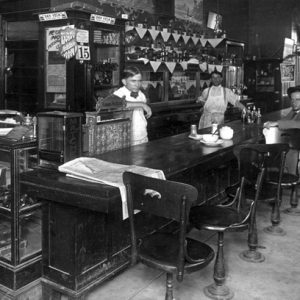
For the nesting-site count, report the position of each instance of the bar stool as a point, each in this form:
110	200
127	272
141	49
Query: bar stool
237	215
171	252
290	178
271	191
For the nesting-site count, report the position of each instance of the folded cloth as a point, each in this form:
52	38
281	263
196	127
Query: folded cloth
97	170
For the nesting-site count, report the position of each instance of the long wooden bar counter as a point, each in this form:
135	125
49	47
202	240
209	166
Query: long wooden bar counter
85	240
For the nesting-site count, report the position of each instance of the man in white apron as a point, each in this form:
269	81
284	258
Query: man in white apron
215	99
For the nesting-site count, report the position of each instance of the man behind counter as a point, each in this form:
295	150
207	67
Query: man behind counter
292	119
215	100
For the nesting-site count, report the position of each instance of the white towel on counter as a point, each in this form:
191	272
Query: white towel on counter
97	170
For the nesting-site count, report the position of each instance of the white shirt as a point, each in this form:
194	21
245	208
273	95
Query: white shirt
138	122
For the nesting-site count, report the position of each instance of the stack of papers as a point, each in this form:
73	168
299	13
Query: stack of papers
97	170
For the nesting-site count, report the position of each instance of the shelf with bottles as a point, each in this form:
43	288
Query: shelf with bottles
165	45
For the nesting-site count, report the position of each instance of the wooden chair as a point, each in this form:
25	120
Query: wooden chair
290	177
173	252
237	215
274	162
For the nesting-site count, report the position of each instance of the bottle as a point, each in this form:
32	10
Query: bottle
244	114
258	120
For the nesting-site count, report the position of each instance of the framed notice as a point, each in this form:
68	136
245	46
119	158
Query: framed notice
287	72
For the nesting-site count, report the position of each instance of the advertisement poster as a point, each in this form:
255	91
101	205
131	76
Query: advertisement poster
287	72
191	10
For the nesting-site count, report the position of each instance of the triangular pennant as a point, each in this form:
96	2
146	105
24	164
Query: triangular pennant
141	31
154	83
165	35
128	28
170	65
195	40
211	68
219	68
215	42
184	65
176	37
145	84
186	38
155	65
203	42
154	33
203	66
202	83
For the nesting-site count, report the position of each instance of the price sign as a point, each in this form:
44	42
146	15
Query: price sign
83	53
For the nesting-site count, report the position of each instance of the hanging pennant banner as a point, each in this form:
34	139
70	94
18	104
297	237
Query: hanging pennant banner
155	65
186	38
203	42
165	35
215	42
141	31
211	68
170	65
219	68
128	28
203	66
68	45
176	37
195	40
184	65
154	33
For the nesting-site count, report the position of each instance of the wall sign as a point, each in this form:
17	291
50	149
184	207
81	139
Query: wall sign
68	45
83	53
53	16
102	19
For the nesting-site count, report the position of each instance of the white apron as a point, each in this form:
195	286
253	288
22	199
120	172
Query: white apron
214	108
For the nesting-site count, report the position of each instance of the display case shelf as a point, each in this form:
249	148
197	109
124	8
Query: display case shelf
20	216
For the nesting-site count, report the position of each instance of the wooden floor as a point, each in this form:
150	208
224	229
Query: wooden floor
277	278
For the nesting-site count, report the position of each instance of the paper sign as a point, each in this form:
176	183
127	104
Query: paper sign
102	19
53	16
68	45
83	53
82	36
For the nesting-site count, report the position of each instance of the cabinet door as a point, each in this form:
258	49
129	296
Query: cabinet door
20	215
107	60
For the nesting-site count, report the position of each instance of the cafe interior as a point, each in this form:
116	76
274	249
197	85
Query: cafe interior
190	212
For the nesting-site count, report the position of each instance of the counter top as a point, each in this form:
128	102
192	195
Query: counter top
172	155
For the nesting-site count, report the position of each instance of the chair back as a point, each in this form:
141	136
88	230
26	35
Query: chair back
292	137
168	199
255	159
158	197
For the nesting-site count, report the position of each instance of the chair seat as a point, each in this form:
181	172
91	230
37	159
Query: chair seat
288	179
217	218
160	250
268	192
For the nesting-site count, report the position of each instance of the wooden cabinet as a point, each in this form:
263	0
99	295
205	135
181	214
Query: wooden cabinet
20	219
263	81
82	57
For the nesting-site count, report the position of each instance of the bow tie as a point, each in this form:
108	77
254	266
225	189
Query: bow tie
134	94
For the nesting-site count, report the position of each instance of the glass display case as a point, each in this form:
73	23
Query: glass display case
59	137
20	216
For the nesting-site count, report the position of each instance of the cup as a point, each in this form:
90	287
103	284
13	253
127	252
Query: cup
272	135
193	130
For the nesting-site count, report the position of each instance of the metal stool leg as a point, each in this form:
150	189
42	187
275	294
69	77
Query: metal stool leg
218	290
293	210
274	229
252	255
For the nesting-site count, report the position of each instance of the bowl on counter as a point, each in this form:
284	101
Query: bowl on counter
226	133
210	138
